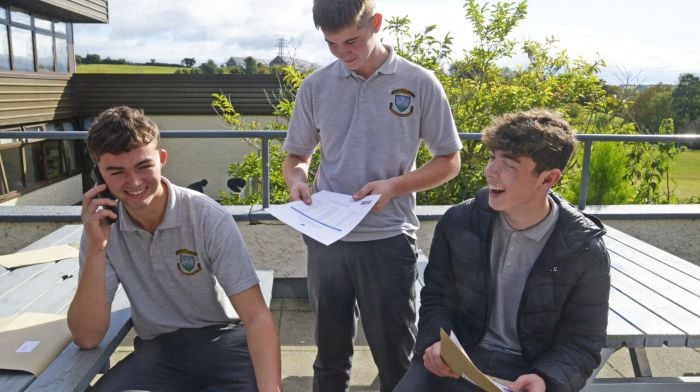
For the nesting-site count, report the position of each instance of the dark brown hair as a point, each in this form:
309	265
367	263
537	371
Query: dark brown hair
332	16
121	129
541	135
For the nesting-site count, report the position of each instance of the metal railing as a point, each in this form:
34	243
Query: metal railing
266	136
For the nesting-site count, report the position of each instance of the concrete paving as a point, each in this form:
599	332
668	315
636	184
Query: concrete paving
295	321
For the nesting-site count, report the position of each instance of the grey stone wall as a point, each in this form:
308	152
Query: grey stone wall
275	246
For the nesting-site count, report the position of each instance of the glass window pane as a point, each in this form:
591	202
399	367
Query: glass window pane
12	160
22	49
59	27
44	51
19	16
35	163
62	54
41	23
3	12
4	48
53	159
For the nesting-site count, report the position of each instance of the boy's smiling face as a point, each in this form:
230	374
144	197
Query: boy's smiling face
516	190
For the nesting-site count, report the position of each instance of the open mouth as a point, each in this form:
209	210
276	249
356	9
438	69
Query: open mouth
135	193
496	190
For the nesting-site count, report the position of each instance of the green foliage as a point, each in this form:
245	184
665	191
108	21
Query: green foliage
686	99
251	168
651	107
478	89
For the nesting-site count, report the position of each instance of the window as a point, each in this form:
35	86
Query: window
44	51
4	48
37	43
22	49
28	164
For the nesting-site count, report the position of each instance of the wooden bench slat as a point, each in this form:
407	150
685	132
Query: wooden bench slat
657	330
67	234
651	251
621	333
673	275
654	282
680	317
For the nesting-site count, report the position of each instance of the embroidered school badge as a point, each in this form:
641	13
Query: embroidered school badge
187	262
402	102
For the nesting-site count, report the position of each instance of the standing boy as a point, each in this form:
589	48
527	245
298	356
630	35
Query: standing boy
368	111
181	261
519	275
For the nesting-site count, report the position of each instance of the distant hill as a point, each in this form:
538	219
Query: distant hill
125	68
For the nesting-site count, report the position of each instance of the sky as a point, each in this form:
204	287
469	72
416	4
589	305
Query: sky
642	42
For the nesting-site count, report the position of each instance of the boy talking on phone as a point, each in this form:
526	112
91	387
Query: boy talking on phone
182	262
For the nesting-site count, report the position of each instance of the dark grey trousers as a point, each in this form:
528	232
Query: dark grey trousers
374	279
213	358
494	363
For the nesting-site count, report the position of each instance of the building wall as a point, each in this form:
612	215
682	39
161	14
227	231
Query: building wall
173	94
80	11
33	98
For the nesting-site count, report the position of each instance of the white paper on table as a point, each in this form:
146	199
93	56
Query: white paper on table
330	217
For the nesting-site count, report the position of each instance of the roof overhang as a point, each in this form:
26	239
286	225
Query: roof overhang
74	11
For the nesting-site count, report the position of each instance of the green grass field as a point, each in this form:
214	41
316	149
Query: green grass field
685	172
125	68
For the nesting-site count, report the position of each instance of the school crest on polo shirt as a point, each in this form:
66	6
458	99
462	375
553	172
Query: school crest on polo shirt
402	102
187	262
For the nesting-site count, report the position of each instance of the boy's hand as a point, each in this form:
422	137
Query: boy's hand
94	218
385	188
300	191
528	383
434	363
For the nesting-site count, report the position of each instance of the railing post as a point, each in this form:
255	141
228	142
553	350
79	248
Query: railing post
585	174
266	172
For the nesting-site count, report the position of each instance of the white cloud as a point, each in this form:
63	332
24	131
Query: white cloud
644	35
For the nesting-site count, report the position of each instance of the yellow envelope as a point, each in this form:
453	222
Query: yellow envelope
459	362
37	256
30	341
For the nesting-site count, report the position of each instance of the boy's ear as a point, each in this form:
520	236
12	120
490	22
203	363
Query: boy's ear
551	177
163	157
376	22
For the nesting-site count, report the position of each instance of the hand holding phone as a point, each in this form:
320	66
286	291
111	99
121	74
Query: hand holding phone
105	194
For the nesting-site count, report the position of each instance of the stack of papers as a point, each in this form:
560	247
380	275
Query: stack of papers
330	217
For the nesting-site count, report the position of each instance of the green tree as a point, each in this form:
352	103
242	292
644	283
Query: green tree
209	67
188	62
686	99
251	66
652	106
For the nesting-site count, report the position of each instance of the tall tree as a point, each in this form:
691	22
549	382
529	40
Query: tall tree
188	62
686	99
251	66
651	107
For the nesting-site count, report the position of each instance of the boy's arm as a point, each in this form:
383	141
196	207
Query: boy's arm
89	312
295	170
436	171
581	331
262	337
437	296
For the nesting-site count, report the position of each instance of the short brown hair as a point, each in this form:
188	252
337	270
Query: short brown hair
332	16
121	129
539	134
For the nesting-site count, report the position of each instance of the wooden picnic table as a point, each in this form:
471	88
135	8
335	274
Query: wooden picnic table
49	288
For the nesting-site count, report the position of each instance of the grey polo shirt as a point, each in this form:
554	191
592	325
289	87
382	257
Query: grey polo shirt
370	129
182	275
513	253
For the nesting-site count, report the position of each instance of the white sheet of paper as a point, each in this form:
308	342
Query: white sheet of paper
37	256
27	346
330	217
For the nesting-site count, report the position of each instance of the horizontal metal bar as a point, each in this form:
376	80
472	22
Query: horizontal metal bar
225	134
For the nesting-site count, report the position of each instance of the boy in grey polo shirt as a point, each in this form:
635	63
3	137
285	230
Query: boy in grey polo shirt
369	111
181	261
519	275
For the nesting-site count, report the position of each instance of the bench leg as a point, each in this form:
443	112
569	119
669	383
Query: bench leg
640	362
605	354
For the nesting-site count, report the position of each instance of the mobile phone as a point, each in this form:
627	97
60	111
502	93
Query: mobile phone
105	194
